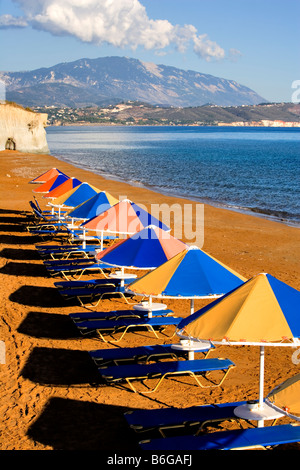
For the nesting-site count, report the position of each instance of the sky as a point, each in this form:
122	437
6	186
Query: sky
254	42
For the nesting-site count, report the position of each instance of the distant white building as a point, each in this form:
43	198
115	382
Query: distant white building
22	129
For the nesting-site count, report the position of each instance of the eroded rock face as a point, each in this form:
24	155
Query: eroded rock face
22	129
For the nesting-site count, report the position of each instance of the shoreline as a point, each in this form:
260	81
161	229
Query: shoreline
49	397
277	215
216	204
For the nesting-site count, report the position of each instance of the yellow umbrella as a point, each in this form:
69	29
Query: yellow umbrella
261	312
285	398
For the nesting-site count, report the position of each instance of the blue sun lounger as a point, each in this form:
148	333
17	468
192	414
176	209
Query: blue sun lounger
116	356
86	284
48	249
43	215
227	440
96	293
191	419
123	325
50	230
52	264
116	314
65	252
71	288
77	269
160	370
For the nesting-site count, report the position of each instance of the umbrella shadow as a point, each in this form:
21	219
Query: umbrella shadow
24	269
61	368
15	221
66	424
20	254
18	240
9	227
48	325
12	211
36	296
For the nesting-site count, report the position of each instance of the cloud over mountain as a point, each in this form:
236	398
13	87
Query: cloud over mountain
120	23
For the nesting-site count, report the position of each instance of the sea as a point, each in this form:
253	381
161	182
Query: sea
246	169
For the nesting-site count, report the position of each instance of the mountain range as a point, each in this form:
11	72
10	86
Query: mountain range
108	80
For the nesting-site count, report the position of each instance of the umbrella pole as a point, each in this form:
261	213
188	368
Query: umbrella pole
150	307
83	241
261	382
192	306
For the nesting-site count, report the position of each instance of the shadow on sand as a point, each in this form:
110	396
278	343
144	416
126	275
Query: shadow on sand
61	368
48	325
66	424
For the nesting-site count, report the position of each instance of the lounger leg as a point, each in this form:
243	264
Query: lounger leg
134	389
225	372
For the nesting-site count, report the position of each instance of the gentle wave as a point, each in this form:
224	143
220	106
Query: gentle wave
243	169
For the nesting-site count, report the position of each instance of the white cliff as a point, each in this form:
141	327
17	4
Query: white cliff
22	129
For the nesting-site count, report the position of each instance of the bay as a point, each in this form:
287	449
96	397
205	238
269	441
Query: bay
245	169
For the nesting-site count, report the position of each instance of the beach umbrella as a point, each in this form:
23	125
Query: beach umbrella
47	176
146	249
262	312
191	274
94	206
75	196
125	218
51	184
63	188
285	398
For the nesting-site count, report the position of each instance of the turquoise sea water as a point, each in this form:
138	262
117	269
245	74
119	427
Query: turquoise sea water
244	169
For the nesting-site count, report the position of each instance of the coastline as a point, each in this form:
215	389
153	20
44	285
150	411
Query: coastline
220	205
47	400
276	211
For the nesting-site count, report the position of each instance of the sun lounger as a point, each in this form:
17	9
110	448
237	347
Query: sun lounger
227	440
116	356
191	419
116	314
66	252
43	215
51	264
88	284
53	231
74	288
78	269
194	368
96	293
123	325
47	228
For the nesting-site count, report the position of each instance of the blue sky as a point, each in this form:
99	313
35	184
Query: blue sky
254	42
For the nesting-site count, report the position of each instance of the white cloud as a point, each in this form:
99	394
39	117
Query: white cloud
120	23
207	49
9	21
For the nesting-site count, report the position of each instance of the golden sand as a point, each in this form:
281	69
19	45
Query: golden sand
49	395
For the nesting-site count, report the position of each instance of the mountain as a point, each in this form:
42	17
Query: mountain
88	82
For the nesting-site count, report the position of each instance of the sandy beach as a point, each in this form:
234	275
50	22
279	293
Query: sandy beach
50	395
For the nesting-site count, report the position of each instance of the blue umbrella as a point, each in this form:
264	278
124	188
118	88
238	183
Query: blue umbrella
146	249
94	206
76	196
191	274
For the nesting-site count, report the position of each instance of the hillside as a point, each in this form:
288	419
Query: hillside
108	80
137	113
